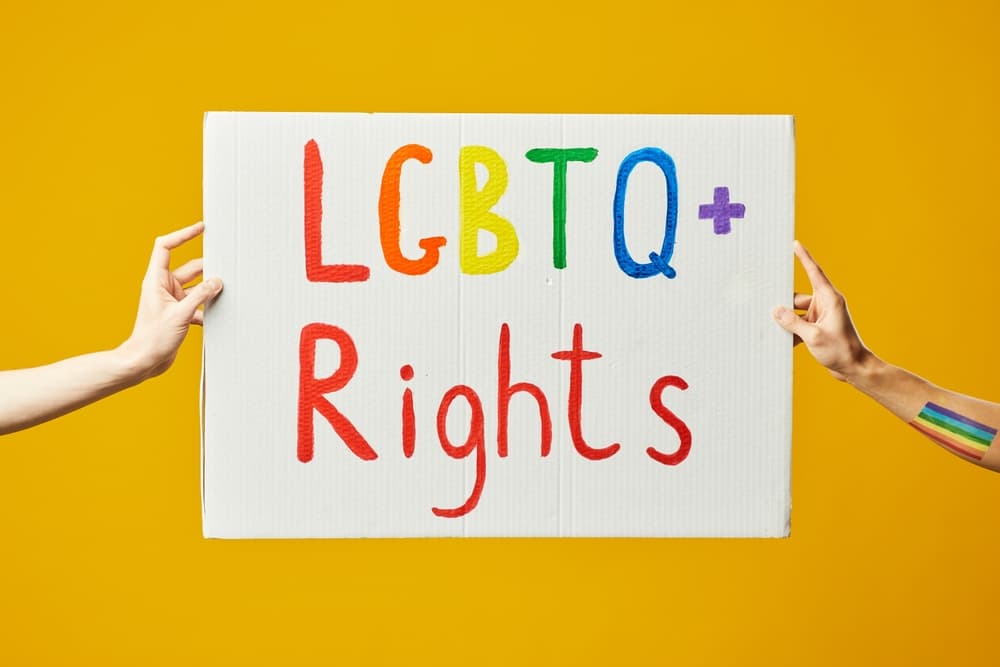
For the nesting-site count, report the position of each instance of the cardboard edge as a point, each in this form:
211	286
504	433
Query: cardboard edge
201	381
787	532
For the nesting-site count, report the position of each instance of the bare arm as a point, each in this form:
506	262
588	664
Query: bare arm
963	425
166	310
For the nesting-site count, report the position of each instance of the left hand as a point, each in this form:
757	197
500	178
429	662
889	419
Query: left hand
166	308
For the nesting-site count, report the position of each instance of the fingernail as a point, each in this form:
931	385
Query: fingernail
782	314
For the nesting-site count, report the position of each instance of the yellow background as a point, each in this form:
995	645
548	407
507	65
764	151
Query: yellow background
894	542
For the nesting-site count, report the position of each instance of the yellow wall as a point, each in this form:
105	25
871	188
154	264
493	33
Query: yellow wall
894	541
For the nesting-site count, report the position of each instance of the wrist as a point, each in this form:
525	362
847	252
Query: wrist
865	370
131	364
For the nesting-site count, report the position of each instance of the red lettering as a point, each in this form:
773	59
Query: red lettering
505	392
683	432
409	420
312	390
476	440
576	357
316	270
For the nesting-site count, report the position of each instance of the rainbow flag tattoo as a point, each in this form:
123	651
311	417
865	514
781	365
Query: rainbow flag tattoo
950	429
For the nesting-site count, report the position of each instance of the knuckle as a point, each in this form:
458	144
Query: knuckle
831	294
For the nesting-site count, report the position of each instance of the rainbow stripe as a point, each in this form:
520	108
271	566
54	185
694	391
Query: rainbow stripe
960	434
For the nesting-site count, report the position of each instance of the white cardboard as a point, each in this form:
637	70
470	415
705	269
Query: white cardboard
709	325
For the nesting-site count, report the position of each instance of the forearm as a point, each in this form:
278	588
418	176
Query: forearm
166	310
31	396
946	417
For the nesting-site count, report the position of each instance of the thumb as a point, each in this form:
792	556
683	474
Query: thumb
792	323
201	293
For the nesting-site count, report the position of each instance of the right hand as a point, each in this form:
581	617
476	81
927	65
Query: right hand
826	327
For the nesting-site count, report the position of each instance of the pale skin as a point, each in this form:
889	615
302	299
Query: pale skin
167	309
828	332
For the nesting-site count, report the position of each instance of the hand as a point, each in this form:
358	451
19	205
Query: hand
166	307
826	327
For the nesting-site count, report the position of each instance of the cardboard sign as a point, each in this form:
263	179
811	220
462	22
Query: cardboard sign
504	325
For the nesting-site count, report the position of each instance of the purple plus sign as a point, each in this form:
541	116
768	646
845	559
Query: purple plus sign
720	211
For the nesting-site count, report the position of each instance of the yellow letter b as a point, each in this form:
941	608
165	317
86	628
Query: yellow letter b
475	213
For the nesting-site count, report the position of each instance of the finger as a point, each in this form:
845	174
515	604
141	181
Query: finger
160	259
815	273
802	301
176	289
198	318
189	271
199	294
793	324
